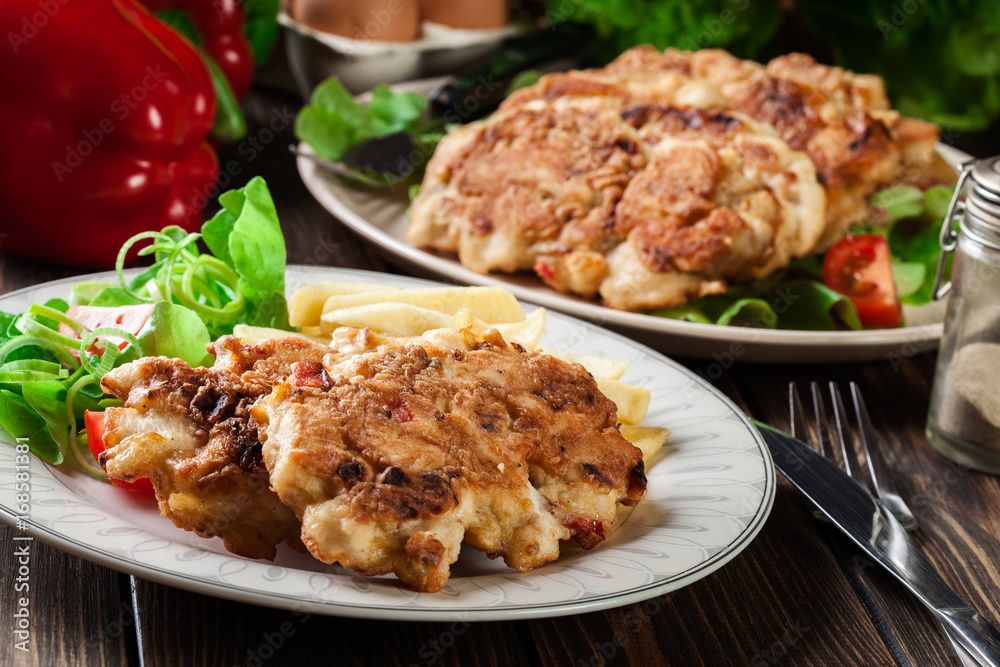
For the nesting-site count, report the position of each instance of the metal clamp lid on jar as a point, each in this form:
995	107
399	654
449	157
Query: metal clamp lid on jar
978	215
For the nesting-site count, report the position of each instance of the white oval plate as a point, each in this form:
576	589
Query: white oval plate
380	217
710	491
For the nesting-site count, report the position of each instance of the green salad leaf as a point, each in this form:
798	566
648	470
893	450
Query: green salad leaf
910	277
904	201
528	77
812	306
242	280
23	424
913	234
247	236
334	121
177	332
112	296
742	26
720	309
781	303
47	398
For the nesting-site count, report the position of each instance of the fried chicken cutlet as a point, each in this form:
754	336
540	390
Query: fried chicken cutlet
647	208
391	457
190	432
512	192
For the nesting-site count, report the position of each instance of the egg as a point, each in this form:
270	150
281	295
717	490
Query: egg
463	14
365	20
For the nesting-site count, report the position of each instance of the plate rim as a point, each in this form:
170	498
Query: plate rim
237	593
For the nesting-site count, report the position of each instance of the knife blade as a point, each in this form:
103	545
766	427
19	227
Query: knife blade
876	531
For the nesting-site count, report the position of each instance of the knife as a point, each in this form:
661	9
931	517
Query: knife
876	531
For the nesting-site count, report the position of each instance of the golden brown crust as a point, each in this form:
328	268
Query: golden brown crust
520	192
190	432
577	155
415	447
781	104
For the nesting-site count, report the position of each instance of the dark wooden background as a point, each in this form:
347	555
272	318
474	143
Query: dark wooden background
798	595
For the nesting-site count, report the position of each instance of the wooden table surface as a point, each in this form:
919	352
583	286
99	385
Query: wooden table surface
797	595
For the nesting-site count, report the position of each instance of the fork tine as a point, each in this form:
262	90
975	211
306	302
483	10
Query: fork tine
878	478
877	468
796	416
822	435
847	449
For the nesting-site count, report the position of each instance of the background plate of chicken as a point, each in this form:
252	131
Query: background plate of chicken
657	180
709	491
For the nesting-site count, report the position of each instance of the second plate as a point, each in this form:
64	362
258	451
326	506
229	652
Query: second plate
380	217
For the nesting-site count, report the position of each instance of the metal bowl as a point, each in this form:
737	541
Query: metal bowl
362	64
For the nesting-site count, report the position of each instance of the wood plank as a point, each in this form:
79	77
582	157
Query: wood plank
897	400
79	614
185	629
767	605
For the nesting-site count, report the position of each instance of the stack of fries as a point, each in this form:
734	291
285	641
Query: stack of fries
319	309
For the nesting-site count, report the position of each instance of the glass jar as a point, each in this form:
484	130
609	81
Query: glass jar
964	418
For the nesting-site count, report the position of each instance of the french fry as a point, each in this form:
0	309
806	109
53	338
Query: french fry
400	319
599	367
649	439
527	332
464	318
306	305
490	304
632	401
253	335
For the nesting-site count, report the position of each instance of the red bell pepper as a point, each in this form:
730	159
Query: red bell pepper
233	36
220	26
103	123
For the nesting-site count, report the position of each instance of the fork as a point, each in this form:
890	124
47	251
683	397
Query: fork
873	475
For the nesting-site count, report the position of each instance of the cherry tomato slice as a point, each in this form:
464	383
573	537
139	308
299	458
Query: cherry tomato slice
95	443
860	268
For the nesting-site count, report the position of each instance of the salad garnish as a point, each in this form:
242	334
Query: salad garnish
53	356
809	296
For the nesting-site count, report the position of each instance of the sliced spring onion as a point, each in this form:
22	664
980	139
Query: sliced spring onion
58	316
40	365
109	351
59	351
202	283
25	324
32	370
123	253
14	377
72	437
